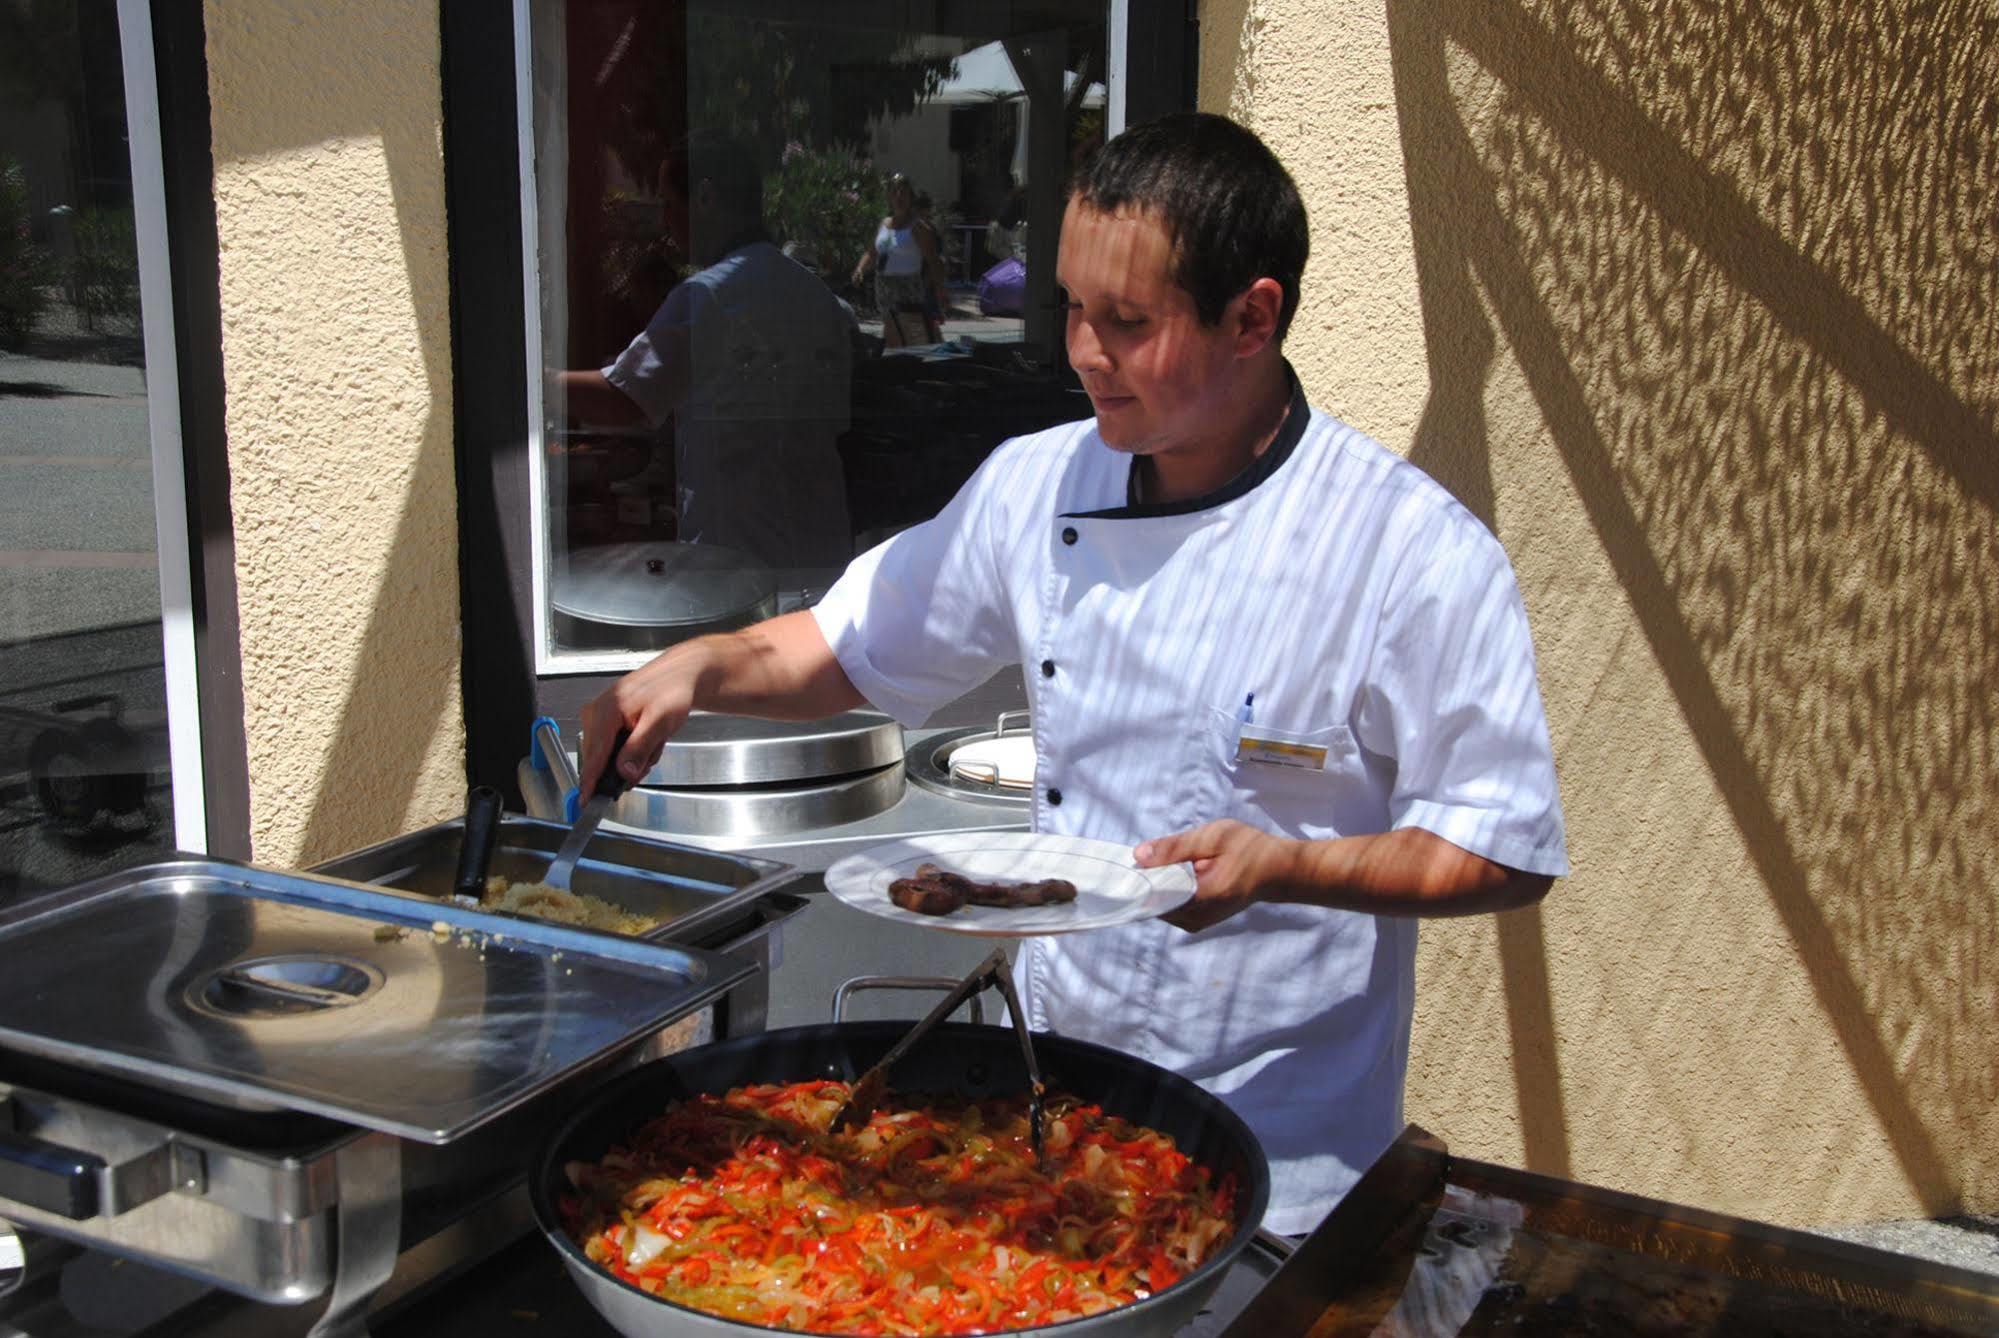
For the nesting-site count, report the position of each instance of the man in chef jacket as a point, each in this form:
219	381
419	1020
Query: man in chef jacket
1255	641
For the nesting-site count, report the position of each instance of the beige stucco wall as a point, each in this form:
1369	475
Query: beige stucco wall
1698	305
329	198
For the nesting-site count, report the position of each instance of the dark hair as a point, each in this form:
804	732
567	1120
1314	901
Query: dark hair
1230	209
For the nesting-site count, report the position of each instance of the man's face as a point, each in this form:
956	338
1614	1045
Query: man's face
1155	374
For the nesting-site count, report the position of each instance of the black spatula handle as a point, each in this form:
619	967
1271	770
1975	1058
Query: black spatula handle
475	849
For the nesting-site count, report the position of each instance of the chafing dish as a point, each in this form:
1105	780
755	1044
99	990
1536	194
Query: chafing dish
296	1089
729	902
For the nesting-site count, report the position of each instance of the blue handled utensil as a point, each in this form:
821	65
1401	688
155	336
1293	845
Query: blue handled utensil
609	786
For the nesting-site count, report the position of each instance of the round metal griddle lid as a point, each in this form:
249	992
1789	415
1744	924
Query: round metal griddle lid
661	585
716	750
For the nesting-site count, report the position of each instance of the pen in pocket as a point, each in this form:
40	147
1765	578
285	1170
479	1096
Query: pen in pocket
1248	712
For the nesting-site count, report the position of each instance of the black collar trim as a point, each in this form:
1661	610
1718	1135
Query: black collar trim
1296	419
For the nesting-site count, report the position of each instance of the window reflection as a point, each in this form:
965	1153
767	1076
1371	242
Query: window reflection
796	283
84	774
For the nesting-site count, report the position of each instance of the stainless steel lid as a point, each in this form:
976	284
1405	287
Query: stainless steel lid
662	585
420	1019
736	750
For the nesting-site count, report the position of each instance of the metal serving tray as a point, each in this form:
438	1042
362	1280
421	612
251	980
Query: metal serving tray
690	890
253	986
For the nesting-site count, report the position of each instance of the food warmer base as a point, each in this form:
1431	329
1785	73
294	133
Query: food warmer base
307	1223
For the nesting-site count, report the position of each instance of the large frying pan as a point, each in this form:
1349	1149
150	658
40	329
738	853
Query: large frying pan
975	1061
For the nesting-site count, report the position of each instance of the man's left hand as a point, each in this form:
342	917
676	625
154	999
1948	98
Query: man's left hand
1234	865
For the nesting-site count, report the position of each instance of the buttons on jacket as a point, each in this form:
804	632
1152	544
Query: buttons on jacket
1048	668
1054	797
1068	534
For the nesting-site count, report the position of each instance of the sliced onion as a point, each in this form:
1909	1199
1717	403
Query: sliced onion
644	1246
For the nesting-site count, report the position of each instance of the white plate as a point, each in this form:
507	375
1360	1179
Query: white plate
1110	889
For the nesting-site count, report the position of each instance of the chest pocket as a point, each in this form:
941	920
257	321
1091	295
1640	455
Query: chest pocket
1311	783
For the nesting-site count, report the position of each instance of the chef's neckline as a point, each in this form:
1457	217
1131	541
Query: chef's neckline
1289	434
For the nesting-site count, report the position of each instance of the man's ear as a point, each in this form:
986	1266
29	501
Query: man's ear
1258	309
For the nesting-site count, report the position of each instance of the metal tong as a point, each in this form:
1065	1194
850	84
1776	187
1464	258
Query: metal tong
870	1086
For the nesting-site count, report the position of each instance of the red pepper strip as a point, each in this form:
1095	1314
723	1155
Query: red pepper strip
980	1288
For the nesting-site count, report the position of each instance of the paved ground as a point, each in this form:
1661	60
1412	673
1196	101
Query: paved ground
79	607
1962	1242
964	321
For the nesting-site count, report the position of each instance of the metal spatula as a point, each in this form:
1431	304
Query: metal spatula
609	786
868	1088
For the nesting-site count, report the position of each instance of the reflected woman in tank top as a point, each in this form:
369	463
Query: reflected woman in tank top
904	264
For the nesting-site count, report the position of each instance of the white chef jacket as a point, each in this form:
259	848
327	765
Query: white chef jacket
1377	623
753	357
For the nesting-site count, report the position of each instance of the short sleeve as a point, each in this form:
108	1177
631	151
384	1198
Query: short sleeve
654	368
1452	697
923	618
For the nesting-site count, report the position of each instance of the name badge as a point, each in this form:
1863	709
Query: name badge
1256	746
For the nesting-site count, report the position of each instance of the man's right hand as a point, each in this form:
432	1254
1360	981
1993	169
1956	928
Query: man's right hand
653	702
781	669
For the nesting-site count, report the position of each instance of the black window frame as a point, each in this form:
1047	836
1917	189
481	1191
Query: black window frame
194	250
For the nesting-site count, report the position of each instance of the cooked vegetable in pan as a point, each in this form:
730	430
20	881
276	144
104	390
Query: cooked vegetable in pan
933	1218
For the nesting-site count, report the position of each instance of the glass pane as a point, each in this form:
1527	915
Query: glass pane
83	744
796	283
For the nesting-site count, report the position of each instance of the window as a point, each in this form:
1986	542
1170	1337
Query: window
96	642
790	281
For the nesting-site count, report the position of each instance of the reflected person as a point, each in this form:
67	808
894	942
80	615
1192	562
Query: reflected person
905	266
751	357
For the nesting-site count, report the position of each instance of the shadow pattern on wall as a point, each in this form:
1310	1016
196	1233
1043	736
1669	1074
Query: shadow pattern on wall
1746	262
